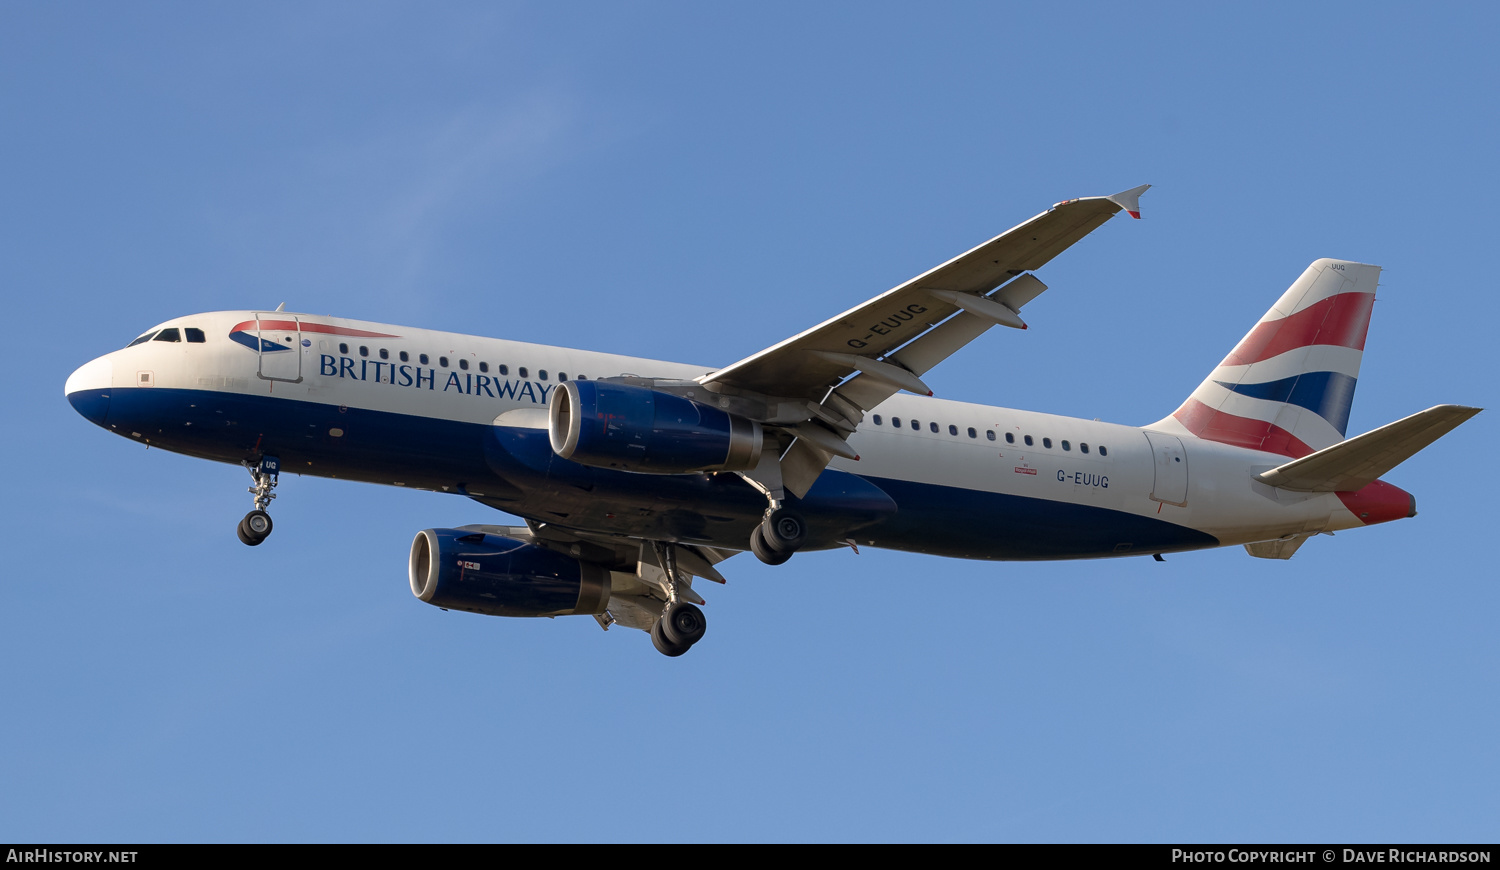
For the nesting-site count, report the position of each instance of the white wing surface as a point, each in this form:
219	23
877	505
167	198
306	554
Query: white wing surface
828	376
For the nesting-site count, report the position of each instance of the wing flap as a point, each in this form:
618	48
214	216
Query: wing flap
1349	466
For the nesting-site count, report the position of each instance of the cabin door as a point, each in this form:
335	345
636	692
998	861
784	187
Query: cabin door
1171	485
280	347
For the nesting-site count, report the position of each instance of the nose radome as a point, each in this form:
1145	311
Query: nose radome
88	389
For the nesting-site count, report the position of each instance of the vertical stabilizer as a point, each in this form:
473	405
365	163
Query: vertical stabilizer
1287	387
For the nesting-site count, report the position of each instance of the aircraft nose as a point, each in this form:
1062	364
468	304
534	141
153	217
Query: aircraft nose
88	389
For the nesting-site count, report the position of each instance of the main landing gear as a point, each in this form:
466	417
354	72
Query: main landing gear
681	624
782	530
778	536
256	526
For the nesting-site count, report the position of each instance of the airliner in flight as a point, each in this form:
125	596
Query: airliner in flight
635	477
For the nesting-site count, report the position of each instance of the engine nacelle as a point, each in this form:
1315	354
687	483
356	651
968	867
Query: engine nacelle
639	429
463	570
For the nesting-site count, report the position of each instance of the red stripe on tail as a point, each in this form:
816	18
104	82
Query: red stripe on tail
1342	321
1214	425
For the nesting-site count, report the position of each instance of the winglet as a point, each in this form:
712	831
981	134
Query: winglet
1130	200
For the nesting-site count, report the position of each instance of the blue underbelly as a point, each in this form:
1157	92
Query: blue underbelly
516	471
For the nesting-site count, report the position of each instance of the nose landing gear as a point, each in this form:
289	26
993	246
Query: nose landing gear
254	528
256	525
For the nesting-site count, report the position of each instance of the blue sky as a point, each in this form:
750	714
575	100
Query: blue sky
697	182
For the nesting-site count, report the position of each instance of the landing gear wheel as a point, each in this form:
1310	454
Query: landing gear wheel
664	646
245	537
784	529
682	623
763	551
255	527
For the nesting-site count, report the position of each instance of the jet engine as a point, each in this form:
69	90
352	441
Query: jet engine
457	569
632	428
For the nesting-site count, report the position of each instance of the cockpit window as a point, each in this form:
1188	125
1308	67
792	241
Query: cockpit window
142	339
194	334
168	335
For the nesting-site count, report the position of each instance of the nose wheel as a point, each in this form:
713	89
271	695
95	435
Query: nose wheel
254	528
256	525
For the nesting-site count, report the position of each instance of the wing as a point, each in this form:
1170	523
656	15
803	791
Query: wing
820	382
808	363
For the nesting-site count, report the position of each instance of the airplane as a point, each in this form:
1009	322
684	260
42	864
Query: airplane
634	477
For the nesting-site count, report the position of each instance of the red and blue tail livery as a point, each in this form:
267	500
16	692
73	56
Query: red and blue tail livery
633	478
1287	387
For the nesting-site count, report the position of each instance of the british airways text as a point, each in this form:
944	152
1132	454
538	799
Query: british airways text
418	377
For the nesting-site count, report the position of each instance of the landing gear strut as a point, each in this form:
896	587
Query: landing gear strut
256	526
681	624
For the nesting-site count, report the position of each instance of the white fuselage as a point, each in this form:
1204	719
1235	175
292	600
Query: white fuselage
414	385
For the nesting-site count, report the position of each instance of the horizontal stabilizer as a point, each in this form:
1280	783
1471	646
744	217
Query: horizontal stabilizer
1349	466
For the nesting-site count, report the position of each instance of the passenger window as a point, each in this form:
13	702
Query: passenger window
168	335
562	376
1084	446
484	366
1029	442
522	371
144	338
896	421
364	351
990	434
916	427
1103	451
463	364
404	357
1010	437
423	359
385	354
1067	446
541	374
343	348
194	334
504	370
583	377
933	427
952	429
972	433
1047	443
443	361
877	420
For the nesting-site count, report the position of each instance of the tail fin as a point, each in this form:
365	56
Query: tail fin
1288	385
